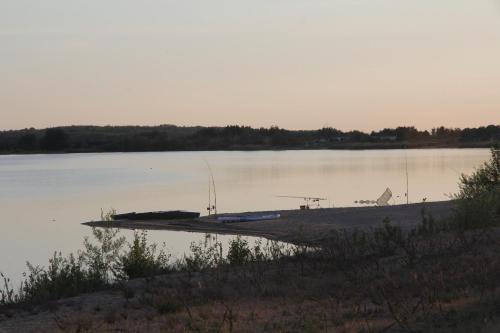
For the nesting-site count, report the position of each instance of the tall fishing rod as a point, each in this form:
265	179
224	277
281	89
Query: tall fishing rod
211	176
406	166
209	196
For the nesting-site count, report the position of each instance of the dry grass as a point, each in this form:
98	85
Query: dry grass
446	282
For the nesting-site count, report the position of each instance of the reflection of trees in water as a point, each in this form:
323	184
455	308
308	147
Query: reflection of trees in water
369	162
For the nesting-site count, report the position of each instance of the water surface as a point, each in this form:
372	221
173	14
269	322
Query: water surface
43	198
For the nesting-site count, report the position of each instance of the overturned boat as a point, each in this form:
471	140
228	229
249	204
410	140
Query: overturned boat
161	215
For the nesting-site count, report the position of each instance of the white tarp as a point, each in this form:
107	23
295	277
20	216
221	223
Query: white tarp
384	198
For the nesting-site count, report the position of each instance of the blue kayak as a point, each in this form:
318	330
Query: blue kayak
248	218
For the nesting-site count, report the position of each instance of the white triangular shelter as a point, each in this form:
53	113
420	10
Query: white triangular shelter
384	198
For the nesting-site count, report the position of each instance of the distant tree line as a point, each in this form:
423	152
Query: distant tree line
175	138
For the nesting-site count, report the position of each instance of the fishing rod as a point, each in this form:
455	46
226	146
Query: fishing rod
211	177
299	197
307	200
407	194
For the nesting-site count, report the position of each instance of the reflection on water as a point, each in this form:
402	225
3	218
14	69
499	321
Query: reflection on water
43	198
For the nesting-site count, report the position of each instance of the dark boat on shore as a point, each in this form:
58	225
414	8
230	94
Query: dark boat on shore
162	215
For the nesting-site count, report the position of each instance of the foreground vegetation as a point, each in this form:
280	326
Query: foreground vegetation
173	138
440	277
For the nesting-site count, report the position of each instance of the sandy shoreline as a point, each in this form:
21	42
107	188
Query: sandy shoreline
298	226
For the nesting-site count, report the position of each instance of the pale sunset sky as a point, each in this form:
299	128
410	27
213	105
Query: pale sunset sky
350	64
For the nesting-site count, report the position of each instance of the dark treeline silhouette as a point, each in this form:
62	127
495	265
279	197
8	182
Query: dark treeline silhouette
175	138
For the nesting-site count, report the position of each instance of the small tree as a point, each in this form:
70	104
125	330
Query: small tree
479	196
485	180
239	253
102	257
141	259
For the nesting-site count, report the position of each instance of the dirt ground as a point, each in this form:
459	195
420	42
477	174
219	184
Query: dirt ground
450	286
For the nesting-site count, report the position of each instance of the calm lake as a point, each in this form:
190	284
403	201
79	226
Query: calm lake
44	198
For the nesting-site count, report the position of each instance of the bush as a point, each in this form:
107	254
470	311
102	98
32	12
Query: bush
141	259
102	258
63	277
202	257
7	294
486	179
92	269
239	253
478	202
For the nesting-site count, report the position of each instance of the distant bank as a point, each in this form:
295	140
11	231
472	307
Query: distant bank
91	139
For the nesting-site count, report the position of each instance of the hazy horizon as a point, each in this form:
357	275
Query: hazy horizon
363	65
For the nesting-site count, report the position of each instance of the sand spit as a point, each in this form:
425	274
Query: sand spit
298	226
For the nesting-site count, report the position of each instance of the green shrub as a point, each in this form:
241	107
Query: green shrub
202	257
141	259
486	179
239	253
92	269
102	257
7	294
62	278
478	202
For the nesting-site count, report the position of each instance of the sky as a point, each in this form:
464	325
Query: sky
298	64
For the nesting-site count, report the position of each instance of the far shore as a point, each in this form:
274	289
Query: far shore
298	226
337	146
